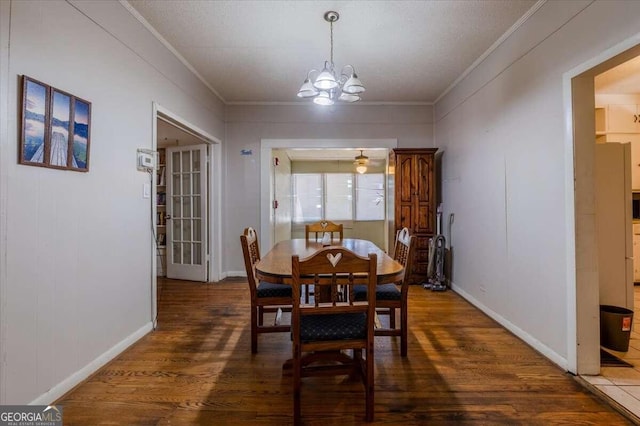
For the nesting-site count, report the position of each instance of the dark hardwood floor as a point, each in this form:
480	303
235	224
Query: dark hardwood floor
197	368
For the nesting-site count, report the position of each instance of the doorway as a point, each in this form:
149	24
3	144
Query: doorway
187	212
582	89
586	284
268	231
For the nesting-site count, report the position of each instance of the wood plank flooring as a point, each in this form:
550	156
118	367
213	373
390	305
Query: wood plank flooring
197	369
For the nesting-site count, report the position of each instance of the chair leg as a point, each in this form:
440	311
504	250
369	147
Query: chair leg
260	316
403	331
296	386
254	330
392	318
369	383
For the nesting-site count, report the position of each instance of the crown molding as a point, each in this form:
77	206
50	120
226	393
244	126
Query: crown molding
168	45
492	48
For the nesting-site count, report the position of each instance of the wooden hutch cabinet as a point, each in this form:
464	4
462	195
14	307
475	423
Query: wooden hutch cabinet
413	174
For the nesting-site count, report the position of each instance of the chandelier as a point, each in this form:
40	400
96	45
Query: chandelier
361	163
327	86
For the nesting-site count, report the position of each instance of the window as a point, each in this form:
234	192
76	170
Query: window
337	197
370	196
307	197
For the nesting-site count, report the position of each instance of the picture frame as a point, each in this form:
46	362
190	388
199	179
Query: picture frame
35	104
81	139
59	128
55	128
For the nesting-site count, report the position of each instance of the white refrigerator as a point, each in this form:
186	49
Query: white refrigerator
614	231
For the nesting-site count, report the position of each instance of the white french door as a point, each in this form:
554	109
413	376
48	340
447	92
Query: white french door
187	213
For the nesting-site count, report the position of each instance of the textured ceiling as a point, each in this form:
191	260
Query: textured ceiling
261	51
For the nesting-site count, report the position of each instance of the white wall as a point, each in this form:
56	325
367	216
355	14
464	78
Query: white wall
412	126
502	132
76	283
282	186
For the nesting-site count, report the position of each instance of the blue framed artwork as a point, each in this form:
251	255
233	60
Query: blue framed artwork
35	102
55	128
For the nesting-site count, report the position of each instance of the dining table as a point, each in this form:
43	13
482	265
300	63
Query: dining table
275	266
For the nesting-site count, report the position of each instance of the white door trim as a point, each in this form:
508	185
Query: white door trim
266	145
215	198
577	353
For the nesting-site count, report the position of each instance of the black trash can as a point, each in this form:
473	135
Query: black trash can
615	327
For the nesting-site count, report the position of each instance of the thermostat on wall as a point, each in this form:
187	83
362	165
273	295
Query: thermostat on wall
145	160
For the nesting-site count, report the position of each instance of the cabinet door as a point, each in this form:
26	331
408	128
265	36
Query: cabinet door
404	192
424	194
635	161
622	119
636	258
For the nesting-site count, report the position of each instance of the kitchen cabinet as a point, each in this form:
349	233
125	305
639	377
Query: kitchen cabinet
415	201
621	123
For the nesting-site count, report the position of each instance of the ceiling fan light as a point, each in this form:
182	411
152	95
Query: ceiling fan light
361	162
323	98
307	90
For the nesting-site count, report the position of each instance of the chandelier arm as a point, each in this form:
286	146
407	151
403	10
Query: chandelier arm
353	70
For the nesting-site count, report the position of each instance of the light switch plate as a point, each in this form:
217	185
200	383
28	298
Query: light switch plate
146	190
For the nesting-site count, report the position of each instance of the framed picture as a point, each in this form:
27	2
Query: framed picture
79	153
60	126
55	128
35	104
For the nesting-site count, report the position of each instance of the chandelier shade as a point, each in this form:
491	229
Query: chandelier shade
329	87
307	90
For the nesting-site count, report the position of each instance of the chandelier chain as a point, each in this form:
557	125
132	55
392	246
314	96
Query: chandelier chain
331	24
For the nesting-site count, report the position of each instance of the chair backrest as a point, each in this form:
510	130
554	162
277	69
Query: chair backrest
319	228
334	271
251	253
403	251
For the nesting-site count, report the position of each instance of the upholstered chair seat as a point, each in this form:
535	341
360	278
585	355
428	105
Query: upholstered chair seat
333	327
383	292
266	289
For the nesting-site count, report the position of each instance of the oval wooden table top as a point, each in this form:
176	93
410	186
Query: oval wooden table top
275	266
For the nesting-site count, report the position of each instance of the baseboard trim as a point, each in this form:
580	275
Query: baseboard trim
528	339
73	380
237	274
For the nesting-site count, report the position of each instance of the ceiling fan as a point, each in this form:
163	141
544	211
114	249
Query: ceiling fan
361	162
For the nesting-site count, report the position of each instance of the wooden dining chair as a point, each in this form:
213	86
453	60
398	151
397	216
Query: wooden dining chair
389	297
265	297
318	230
324	328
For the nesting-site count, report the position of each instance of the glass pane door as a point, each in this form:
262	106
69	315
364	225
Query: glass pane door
186	206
